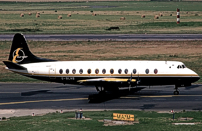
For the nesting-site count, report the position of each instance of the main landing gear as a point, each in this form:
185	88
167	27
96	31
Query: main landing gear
100	89
105	89
176	92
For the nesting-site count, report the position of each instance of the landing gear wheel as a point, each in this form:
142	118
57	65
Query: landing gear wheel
176	92
100	89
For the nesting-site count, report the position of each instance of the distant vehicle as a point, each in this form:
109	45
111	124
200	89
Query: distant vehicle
104	75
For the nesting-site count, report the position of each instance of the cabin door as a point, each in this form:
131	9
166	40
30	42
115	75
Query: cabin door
52	72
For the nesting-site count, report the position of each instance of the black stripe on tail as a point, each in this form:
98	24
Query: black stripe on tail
20	52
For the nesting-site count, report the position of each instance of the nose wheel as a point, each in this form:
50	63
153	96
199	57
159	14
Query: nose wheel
176	92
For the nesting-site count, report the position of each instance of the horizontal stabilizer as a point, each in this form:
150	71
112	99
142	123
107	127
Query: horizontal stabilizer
12	65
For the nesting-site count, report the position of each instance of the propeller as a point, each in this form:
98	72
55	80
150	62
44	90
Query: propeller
138	81
129	82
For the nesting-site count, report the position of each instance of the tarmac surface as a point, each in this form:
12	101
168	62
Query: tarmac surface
107	37
17	99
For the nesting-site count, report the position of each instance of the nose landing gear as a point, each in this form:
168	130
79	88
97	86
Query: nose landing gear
176	92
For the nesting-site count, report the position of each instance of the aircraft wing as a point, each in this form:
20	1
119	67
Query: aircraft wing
102	81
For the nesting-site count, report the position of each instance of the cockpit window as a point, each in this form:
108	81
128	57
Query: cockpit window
179	66
183	66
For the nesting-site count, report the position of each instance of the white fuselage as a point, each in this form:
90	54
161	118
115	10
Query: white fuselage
163	67
151	72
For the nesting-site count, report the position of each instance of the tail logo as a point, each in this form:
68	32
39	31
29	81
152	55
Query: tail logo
18	55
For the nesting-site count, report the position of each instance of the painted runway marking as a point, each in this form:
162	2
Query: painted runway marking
22	102
74	99
128	97
9	92
159	96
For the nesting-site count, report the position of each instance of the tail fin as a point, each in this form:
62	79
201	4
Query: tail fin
20	52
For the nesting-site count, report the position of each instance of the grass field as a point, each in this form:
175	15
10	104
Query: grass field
188	52
107	15
151	121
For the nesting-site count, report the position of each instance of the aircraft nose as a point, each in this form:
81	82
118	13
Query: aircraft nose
193	76
196	76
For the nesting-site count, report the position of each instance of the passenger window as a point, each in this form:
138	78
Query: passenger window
126	71
112	71
67	71
89	71
134	71
103	71
96	71
147	71
155	71
60	71
73	71
119	71
81	71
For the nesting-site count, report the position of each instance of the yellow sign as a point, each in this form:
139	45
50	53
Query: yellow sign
124	117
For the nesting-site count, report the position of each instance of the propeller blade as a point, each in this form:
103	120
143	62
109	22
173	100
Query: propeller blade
131	77
129	87
129	82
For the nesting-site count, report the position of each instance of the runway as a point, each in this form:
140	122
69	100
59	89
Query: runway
72	97
107	37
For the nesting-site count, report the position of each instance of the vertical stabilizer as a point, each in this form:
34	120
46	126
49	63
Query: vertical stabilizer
20	52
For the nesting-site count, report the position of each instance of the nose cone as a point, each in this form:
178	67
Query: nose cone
195	76
198	77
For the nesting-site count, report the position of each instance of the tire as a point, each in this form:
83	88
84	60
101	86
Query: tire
176	92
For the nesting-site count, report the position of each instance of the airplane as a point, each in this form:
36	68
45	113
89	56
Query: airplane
104	75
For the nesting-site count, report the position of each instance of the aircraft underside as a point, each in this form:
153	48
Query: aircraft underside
143	81
107	86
